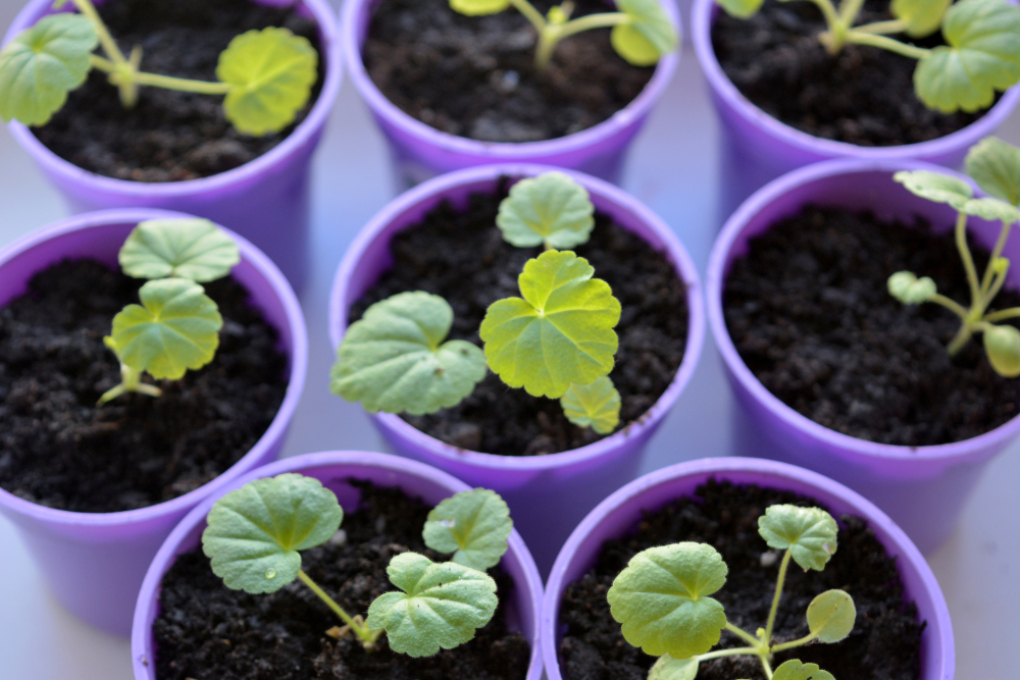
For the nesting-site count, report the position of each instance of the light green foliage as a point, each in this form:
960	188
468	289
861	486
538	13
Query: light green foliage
192	249
551	210
394	358
42	64
795	670
255	533
479	7
941	188
742	9
809	534
923	17
560	333
1002	345
647	36
995	166
831	615
662	601
908	289
441	607
271	73
596	405
473	525
668	668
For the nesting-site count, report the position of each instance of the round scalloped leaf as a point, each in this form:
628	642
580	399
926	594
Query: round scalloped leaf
394	359
936	187
910	290
923	17
441	607
991	209
795	670
194	249
1002	345
668	668
995	166
476	8
809	533
983	56
550	209
177	329
254	533
831	615
596	405
473	525
661	599
42	64
271	73
647	36
560	333
742	9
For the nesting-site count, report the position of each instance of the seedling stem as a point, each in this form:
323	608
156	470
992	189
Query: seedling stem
368	637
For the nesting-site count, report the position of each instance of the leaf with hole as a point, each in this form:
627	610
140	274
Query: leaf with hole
995	166
473	525
596	405
831	615
551	210
194	249
809	534
647	36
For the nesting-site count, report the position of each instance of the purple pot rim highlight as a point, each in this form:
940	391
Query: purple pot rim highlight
766	468
674	250
305	130
715	281
703	15
298	360
146	597
503	151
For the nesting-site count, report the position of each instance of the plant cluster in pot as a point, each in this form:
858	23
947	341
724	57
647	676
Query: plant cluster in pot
459	83
212	108
450	258
100	461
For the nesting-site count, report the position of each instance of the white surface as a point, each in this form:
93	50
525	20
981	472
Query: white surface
673	169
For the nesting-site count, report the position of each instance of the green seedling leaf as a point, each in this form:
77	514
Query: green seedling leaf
668	668
596	405
995	166
983	55
476	8
272	72
42	64
991	209
441	606
560	333
194	249
1002	345
661	599
550	209
742	9
394	358
177	329
256	532
831	615
923	17
473	525
795	670
936	187
908	289
809	533
647	36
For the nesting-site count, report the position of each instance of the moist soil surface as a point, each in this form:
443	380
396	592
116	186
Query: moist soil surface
810	314
475	76
206	631
883	645
461	256
863	95
168	136
58	449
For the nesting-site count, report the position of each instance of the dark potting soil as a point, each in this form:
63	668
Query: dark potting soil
206	631
810	314
461	256
883	645
863	95
475	76
58	449
169	136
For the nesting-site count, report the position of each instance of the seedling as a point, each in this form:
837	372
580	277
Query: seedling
266	76
662	600
982	53
995	166
641	31
255	535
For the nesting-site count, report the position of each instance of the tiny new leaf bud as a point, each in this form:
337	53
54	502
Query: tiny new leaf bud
1002	345
995	166
473	525
742	9
550	209
479	7
647	36
1001	265
596	405
668	668
923	17
831	615
809	533
795	670
908	289
194	249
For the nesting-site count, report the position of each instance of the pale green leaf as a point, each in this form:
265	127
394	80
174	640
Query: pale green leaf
795	670
1002	345
991	209
647	36
809	533
596	405
936	187
668	668
923	17
831	615
479	7
995	166
473	525
551	210
908	289
742	9
194	249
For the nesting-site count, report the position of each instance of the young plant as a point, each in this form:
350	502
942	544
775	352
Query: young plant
995	166
641	31
981	55
662	600
266	76
255	535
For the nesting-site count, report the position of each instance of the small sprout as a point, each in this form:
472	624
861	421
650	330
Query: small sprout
190	249
1002	346
795	670
809	533
995	166
551	210
910	290
596	405
831	616
668	668
473	525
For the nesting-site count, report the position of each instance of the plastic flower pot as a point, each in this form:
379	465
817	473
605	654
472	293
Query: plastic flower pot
333	469
420	152
265	200
94	562
547	494
922	488
616	515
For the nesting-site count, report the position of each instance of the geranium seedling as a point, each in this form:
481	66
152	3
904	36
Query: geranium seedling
266	76
596	405
550	210
662	600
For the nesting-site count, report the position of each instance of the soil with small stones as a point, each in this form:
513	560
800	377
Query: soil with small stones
810	314
58	449
169	136
883	645
475	76
206	631
462	257
863	95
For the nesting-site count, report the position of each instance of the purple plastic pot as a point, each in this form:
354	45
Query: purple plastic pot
547	495
333	469
616	515
265	200
94	562
922	488
420	152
